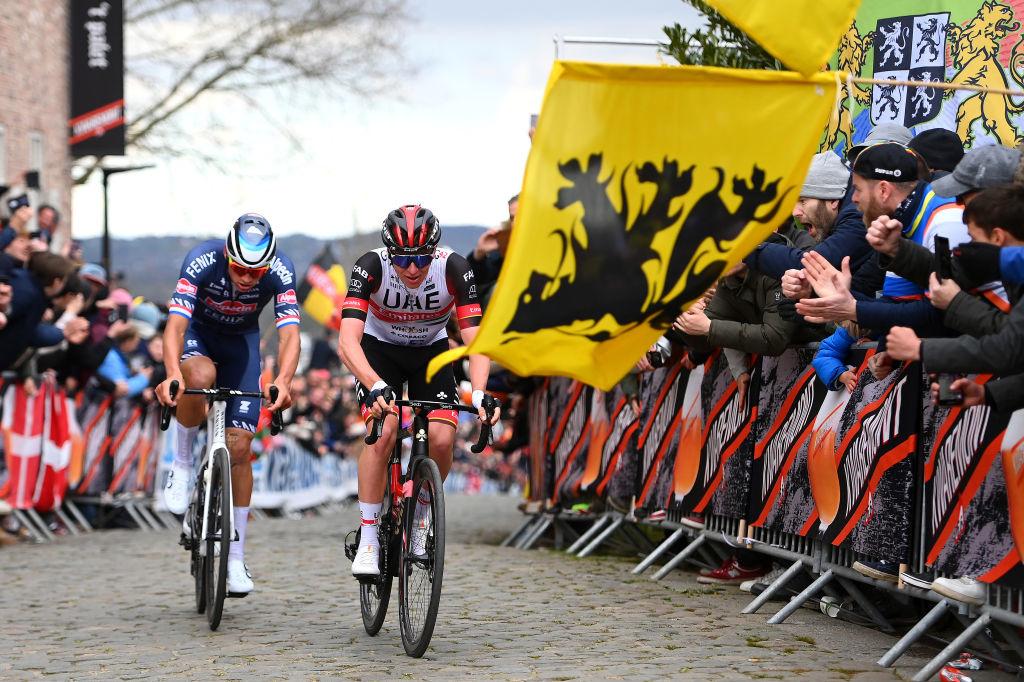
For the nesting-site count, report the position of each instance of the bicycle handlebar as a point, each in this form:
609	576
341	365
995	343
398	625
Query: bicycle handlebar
377	425
276	420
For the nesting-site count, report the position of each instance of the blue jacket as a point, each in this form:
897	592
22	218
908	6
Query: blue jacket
848	238
830	360
115	367
1011	264
23	330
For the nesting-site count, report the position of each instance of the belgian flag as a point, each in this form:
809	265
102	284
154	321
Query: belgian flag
323	289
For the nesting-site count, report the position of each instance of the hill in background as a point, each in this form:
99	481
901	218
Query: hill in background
150	265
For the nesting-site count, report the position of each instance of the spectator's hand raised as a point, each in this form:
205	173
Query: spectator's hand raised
903	344
76	330
75	305
835	301
795	285
116	327
941	294
487	243
881	365
848	379
120	389
973	393
884	235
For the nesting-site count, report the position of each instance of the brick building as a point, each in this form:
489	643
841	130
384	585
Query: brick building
35	98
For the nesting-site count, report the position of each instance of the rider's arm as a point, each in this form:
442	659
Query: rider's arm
366	277
286	319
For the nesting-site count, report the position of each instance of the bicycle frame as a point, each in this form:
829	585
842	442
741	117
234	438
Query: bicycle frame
216	443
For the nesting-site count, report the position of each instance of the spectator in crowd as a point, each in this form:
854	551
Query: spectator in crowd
33	288
940	149
830	361
817	207
48	219
488	255
117	366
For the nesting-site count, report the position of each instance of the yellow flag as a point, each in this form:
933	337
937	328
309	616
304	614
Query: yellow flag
802	34
322	290
644	185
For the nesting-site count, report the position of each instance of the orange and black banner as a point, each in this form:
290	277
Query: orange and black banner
569	437
661	415
965	494
720	468
96	126
613	425
789	398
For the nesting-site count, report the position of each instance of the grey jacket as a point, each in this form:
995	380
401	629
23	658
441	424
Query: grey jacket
999	353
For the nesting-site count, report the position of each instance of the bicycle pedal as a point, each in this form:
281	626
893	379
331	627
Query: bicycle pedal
237	595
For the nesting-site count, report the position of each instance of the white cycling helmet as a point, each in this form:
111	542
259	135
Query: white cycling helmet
251	242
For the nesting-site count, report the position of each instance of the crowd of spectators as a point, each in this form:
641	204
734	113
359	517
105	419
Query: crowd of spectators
859	263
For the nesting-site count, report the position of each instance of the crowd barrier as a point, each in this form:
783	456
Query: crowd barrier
814	478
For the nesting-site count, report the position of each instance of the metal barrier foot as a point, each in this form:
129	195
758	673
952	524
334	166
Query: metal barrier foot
530	520
26	523
798	601
954	648
582	540
605	534
537	533
658	551
78	515
777	585
683	555
873	613
134	513
66	520
915	633
40	524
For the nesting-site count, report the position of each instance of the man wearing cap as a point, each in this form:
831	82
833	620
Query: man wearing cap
839	227
887	186
981	168
15	238
940	149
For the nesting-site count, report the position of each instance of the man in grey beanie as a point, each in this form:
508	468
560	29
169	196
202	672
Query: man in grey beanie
818	205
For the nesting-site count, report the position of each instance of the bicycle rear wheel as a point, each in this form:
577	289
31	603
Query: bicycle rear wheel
422	560
375	595
218	540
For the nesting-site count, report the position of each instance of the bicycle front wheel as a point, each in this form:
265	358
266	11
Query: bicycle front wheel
421	568
218	540
374	595
195	522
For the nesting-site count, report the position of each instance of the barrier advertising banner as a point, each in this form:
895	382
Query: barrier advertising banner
965	492
790	398
661	401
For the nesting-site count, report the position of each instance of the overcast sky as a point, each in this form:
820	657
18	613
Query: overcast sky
455	142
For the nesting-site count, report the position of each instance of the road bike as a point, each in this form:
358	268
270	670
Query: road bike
207	530
419	573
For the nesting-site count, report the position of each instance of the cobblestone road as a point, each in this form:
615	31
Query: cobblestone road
117	605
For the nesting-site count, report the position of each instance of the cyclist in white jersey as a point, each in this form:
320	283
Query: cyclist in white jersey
399	300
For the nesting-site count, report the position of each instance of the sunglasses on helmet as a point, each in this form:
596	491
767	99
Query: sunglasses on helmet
244	271
420	260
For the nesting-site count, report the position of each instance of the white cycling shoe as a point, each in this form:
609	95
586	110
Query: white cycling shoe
367	561
176	491
239	578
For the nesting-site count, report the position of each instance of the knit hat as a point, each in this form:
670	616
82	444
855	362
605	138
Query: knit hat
827	178
145	317
14	203
941	149
883	132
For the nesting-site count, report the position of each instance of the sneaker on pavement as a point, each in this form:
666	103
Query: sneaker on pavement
239	578
967	590
726	563
922	580
367	561
879	570
734	574
765	580
694	521
176	491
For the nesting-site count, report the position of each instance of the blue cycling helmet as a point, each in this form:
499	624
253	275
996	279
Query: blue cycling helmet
251	242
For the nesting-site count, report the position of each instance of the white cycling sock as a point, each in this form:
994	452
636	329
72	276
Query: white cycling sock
237	549
186	439
369	515
422	506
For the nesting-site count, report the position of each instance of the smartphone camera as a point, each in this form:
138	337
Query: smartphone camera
656	359
947	396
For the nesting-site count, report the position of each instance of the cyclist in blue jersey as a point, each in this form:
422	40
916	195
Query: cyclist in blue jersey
212	337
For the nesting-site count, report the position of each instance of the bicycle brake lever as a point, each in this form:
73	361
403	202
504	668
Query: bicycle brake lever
377	427
165	411
276	420
490	404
